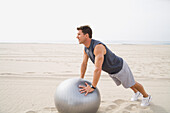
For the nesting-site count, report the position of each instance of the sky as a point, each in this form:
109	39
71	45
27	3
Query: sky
52	21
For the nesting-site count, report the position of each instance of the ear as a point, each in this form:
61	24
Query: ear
87	35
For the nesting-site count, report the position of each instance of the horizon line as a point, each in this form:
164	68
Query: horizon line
123	42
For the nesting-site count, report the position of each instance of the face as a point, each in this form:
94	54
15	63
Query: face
81	37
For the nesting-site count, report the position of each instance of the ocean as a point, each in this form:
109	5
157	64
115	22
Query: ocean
123	42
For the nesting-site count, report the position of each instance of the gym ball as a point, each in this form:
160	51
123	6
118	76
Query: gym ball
68	98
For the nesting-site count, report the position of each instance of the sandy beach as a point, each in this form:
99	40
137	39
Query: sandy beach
30	73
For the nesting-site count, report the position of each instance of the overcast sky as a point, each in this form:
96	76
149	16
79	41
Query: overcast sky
57	20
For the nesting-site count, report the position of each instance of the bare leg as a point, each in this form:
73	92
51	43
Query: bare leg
134	89
139	87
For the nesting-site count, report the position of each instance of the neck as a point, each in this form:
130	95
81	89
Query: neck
87	43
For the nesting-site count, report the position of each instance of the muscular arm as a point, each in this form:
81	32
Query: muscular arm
99	53
84	65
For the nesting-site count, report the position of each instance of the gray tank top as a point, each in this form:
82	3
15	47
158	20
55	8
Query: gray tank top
112	64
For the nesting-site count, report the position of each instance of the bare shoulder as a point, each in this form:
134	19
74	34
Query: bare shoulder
100	48
85	53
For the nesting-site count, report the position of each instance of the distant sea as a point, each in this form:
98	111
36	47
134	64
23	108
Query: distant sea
123	42
139	42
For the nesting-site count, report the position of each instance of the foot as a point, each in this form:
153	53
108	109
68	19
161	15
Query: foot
136	96
146	100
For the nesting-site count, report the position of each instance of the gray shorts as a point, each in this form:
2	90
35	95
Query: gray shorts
124	76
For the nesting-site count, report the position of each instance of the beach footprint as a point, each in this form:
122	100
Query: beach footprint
114	105
119	101
111	107
132	107
126	106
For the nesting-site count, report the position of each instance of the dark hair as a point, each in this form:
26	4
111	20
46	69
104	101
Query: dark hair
86	30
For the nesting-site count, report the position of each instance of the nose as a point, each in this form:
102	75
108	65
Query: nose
77	37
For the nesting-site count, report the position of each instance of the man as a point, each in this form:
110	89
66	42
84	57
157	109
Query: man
104	59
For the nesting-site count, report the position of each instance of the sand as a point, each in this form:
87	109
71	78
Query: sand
30	73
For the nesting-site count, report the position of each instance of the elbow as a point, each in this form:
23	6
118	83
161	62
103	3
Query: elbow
98	69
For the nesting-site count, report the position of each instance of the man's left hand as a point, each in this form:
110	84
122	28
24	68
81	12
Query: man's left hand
86	89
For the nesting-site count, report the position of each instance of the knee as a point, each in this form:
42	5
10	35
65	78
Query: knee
134	85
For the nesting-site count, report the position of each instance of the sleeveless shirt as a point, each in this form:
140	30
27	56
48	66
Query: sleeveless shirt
112	64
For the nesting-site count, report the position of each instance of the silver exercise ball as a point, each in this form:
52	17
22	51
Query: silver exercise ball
68	98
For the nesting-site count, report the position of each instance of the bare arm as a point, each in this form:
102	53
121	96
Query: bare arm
99	53
84	65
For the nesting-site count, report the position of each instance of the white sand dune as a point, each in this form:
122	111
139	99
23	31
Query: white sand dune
30	73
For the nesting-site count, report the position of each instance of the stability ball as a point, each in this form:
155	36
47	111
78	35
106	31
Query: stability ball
68	98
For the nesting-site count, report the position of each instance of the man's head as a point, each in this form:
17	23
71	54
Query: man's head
84	32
